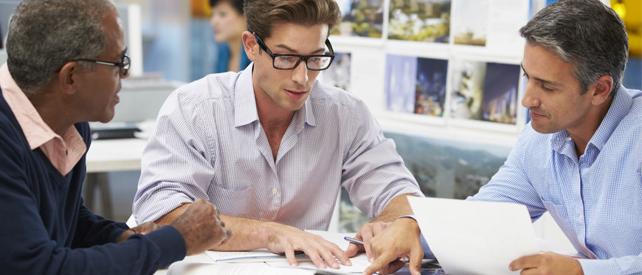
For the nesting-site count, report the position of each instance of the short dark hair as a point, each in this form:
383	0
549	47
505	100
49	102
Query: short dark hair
45	34
236	4
262	15
585	33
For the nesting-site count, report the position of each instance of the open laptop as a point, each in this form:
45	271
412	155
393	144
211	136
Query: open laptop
475	237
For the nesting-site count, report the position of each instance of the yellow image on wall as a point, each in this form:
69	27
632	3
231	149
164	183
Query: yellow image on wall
631	13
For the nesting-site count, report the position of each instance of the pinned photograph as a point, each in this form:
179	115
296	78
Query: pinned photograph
400	83
467	84
419	20
500	93
361	18
470	22
430	88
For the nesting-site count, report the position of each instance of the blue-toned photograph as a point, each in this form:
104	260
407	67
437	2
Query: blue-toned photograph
501	87
400	83
431	86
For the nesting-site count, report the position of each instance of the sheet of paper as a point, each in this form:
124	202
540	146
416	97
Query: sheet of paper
471	237
359	263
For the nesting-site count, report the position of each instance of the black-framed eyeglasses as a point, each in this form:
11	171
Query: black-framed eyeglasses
315	62
123	66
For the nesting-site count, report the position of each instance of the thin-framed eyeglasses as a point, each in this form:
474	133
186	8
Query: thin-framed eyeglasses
315	62
123	66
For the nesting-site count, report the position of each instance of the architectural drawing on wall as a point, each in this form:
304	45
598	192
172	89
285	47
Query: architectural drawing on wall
339	73
400	81
470	22
484	91
443	168
419	20
500	93
467	83
430	88
363	18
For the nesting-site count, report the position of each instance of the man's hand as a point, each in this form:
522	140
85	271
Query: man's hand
201	227
399	239
547	263
366	233
141	229
280	238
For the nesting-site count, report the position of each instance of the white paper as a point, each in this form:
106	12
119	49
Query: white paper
359	263
473	237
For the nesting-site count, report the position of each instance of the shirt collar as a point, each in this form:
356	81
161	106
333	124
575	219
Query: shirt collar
619	108
245	111
34	128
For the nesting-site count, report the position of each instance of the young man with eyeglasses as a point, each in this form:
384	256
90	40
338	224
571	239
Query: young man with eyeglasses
66	59
271	146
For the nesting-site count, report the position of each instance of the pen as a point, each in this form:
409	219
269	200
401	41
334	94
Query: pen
353	240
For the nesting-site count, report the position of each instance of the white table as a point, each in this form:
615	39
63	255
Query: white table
109	156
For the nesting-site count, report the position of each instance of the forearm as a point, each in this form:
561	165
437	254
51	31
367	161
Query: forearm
247	234
397	207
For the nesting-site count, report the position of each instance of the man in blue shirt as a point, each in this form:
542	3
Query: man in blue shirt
65	62
580	156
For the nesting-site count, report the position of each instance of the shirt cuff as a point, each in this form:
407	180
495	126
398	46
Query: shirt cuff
170	243
591	267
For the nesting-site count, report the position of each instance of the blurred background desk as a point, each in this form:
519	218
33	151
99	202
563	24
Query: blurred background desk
106	156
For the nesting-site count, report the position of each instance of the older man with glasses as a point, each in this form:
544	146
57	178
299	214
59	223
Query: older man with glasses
66	59
271	146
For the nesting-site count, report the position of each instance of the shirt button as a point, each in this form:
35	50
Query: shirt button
274	191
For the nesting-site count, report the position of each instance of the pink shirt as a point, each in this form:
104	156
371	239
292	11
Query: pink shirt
63	152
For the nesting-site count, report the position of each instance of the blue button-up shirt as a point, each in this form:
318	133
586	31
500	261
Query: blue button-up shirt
597	198
210	144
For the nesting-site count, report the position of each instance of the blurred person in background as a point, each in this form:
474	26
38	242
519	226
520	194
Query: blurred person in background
228	23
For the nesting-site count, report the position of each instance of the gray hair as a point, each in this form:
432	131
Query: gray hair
585	33
45	34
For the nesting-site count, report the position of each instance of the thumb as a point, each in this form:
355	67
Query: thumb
352	250
414	265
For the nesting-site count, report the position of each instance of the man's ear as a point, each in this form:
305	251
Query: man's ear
601	89
67	77
250	45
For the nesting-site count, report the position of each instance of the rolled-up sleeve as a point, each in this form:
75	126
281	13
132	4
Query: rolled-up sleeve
176	164
373	173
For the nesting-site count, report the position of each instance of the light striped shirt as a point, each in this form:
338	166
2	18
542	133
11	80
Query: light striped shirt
209	144
596	199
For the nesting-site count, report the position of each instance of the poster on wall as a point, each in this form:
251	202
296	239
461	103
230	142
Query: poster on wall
442	167
400	83
339	73
467	84
419	20
416	85
484	91
430	87
470	22
361	18
500	93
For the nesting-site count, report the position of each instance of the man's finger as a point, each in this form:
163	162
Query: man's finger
337	253
524	262
327	255
289	254
414	265
379	263
314	257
